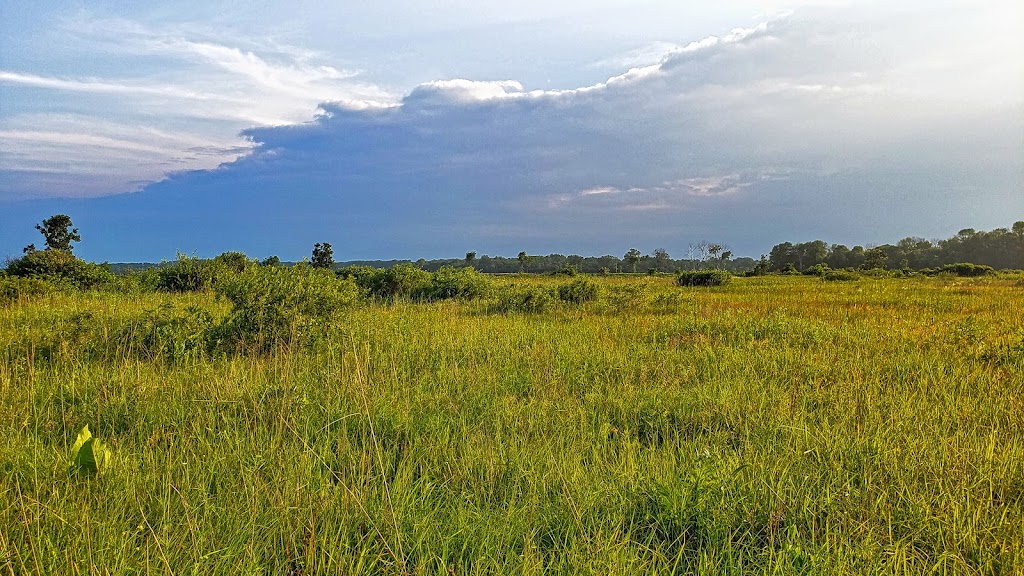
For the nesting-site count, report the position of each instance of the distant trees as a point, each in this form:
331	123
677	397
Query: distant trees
323	255
1001	248
470	259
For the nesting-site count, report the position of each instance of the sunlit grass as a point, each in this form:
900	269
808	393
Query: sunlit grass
773	425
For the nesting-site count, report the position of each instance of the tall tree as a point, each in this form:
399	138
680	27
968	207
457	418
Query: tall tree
523	261
323	255
470	259
59	233
632	257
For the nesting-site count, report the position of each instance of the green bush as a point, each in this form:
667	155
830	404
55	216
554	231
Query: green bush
277	306
234	261
457	283
965	270
569	270
840	276
171	333
524	299
704	278
13	289
399	281
188	274
59	267
819	270
578	291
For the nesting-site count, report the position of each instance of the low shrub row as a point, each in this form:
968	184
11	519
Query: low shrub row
703	278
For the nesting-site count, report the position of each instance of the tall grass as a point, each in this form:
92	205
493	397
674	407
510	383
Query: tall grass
775	425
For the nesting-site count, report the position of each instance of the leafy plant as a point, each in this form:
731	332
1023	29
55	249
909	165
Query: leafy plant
89	455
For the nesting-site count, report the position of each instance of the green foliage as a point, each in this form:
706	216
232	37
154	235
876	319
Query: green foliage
188	274
569	270
173	333
59	267
14	289
457	283
275	306
841	275
89	455
402	281
578	291
964	270
58	232
233	261
528	299
819	270
323	256
703	278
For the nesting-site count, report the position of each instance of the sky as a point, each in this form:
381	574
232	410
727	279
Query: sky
401	129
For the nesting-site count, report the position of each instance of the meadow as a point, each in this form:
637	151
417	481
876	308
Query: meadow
774	425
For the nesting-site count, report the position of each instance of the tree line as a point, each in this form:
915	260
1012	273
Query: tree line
1002	248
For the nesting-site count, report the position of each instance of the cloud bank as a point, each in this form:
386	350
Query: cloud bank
800	127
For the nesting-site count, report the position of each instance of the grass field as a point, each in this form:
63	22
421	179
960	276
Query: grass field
777	425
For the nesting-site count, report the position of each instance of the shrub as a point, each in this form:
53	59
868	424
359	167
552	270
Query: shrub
819	270
171	333
703	278
59	267
234	261
187	275
840	276
459	283
524	299
276	306
965	270
569	270
13	289
578	291
401	281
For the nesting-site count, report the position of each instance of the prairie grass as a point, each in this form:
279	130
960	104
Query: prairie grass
776	425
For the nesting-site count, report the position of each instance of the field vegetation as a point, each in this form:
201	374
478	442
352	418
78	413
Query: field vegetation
259	419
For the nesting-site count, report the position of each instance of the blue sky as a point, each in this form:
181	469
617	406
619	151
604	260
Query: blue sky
428	129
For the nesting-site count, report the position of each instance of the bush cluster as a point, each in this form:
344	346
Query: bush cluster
703	278
188	274
275	306
578	291
405	281
841	275
59	267
530	299
965	270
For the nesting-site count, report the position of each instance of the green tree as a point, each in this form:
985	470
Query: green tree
59	233
523	261
470	259
323	255
875	258
632	257
661	260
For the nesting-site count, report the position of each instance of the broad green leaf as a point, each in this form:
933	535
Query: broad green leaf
88	455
